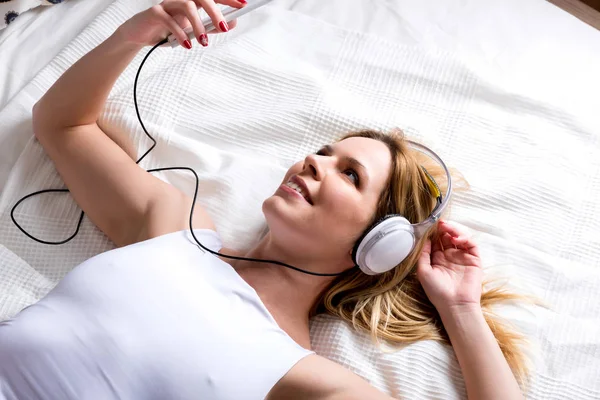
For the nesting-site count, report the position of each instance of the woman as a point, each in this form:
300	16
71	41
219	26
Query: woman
160	318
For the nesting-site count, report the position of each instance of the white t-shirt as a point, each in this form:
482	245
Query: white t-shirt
160	319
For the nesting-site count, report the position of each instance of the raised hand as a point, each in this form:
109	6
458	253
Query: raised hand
173	16
450	269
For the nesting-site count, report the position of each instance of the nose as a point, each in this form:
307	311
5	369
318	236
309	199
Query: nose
314	166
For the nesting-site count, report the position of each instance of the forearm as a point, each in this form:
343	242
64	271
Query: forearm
485	370
79	94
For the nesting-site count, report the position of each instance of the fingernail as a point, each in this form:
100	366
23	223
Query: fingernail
187	44
242	1
203	39
223	26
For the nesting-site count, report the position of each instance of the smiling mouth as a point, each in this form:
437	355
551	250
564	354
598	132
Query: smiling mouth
303	192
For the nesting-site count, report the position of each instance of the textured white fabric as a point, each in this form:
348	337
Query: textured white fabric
159	319
10	10
279	87
26	46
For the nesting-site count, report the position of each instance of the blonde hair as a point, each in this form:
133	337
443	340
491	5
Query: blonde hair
393	306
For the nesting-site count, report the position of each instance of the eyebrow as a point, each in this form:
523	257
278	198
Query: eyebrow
350	160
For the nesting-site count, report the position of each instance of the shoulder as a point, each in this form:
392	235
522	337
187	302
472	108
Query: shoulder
315	377
170	212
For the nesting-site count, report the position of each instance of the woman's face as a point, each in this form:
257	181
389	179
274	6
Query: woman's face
327	200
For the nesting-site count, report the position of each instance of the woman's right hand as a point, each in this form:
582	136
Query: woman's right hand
450	270
173	16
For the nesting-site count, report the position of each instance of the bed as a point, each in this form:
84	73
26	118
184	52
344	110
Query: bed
507	92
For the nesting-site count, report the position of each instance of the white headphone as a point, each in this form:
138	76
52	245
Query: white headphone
391	239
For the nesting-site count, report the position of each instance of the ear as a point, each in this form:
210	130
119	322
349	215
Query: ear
349	262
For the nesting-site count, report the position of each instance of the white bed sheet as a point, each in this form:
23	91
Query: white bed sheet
527	43
536	48
31	41
36	36
545	59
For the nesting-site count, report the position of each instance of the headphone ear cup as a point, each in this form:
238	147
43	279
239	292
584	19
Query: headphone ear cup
384	245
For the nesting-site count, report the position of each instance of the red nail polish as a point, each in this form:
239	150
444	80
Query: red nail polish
187	44
203	39
242	1
223	26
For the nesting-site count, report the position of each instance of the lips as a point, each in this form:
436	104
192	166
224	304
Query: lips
299	186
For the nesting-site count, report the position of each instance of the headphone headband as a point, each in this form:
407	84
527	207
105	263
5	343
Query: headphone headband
443	200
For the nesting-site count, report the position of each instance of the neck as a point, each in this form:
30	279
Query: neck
289	295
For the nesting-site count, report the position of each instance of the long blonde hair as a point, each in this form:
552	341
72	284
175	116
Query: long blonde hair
393	306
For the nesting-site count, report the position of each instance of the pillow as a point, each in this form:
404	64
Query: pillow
11	9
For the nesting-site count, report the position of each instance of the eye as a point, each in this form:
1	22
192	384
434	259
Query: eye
321	152
352	176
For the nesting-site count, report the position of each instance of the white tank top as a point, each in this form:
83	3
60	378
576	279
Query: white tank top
160	319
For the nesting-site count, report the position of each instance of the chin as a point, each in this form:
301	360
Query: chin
284	222
278	213
298	235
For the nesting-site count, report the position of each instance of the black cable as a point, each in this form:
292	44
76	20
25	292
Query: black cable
12	211
154	170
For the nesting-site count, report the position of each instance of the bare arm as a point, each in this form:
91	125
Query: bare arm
486	373
318	378
103	179
450	272
79	94
124	201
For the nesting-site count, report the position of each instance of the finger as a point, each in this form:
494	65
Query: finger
471	260
466	244
454	257
459	241
436	244
172	26
215	14
424	262
452	229
231	24
445	240
191	12
426	249
232	3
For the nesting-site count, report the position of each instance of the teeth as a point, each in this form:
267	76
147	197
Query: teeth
295	187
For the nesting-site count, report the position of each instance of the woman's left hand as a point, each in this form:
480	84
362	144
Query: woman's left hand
449	270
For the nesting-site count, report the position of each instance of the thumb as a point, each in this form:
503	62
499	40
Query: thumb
424	262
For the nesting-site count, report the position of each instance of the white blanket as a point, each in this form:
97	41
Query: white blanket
262	97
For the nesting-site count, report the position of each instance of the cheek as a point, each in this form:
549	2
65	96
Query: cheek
344	212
